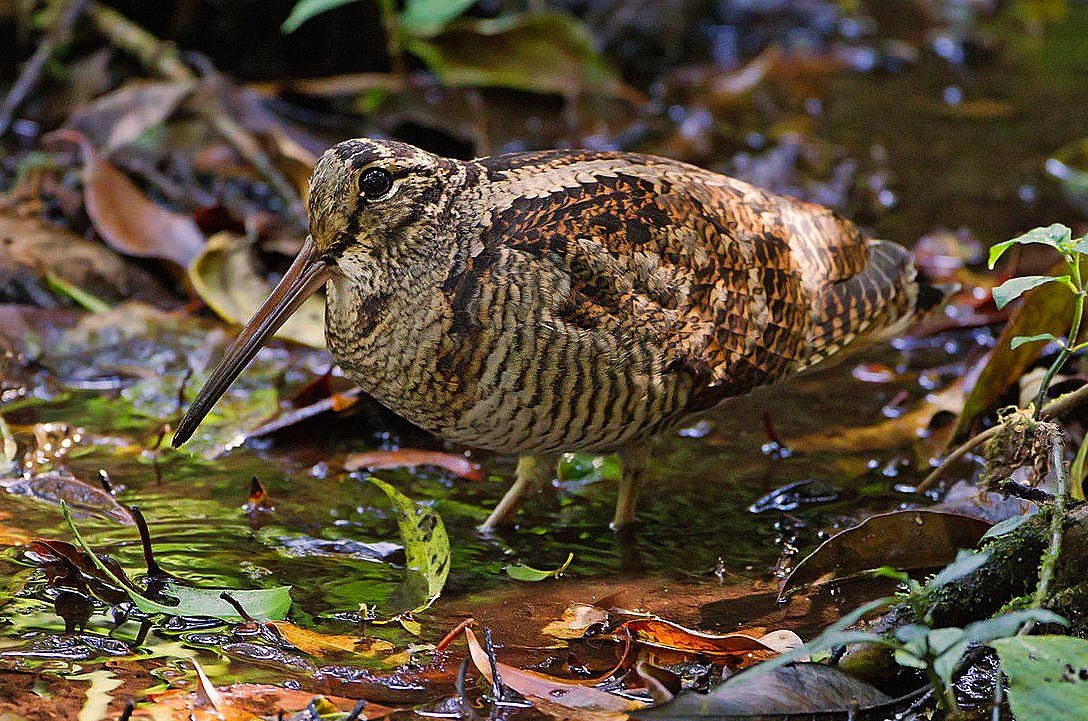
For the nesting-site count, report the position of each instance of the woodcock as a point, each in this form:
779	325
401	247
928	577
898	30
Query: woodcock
569	300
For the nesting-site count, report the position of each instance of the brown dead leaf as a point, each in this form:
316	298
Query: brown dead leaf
906	540
540	687
410	458
129	221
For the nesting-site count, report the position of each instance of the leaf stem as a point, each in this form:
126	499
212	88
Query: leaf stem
1074	333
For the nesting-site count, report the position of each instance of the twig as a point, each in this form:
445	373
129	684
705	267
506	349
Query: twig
32	71
956	454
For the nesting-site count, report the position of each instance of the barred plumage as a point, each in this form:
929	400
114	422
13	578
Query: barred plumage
573	300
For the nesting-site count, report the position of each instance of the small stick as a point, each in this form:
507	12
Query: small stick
32	71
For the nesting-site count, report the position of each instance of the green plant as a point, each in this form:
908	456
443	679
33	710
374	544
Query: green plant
1060	238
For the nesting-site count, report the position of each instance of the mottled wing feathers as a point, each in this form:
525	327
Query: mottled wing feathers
737	285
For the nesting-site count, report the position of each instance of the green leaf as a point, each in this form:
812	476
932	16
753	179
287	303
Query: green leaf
425	18
535	53
1013	288
1004	527
426	546
520	572
1048	676
1057	236
265	604
306	9
84	299
1022	339
966	562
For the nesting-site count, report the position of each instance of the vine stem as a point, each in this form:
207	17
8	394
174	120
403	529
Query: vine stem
1074	333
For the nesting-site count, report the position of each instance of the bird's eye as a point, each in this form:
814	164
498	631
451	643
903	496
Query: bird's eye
375	182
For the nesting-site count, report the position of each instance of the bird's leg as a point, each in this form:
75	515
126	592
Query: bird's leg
534	472
633	460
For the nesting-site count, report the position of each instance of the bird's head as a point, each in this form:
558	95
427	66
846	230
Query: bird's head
375	210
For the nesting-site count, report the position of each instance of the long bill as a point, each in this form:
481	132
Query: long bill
306	275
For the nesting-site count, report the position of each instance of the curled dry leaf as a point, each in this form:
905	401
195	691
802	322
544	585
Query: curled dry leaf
539	687
743	648
905	540
224	276
411	458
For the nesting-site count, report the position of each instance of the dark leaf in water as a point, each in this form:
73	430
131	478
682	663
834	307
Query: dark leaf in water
60	486
1048	308
129	221
122	116
536	53
411	458
800	689
905	540
225	277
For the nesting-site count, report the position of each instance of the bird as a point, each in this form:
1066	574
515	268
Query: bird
536	303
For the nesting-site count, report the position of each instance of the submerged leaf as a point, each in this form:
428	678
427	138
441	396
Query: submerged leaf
264	604
663	634
224	276
57	487
520	572
426	547
905	540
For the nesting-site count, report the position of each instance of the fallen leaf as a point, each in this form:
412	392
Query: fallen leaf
906	540
576	621
661	634
120	117
536	686
12	536
521	572
58	487
129	221
411	458
322	644
224	276
800	689
426	548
